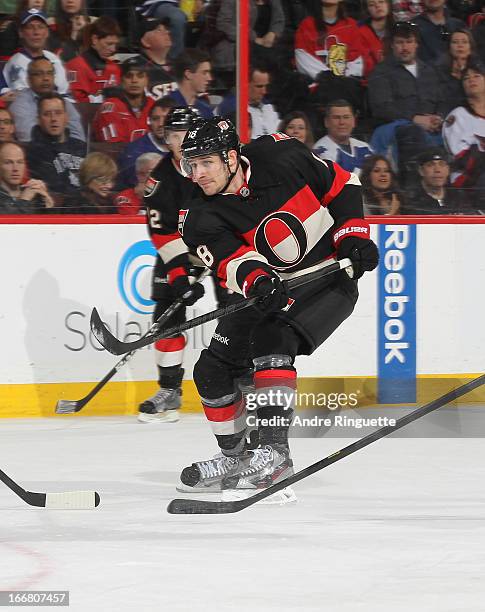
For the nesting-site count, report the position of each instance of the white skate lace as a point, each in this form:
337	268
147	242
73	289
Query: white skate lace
219	466
262	457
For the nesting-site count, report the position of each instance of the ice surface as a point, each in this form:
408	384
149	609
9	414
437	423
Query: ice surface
398	526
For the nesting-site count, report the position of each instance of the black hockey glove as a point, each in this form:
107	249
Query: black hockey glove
273	293
183	289
361	251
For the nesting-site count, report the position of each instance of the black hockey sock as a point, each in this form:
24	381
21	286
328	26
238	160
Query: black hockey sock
274	423
170	378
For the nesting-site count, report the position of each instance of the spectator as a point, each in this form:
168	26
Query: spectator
129	201
93	71
152	142
34	32
380	187
71	17
327	41
155	43
464	131
97	177
40	78
404	94
338	145
265	119
450	68
406	10
53	155
192	71
16	197
433	196
375	30
9	38
7	126
297	125
168	9
123	117
435	26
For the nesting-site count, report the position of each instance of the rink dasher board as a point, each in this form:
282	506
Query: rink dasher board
58	269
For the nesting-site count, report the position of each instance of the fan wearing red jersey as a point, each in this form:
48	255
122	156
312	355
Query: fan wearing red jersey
93	71
123	117
270	211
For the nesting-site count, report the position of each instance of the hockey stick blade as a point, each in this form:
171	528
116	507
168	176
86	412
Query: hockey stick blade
115	346
68	406
193	506
70	500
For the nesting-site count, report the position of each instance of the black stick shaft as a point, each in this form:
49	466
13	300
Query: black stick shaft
190	506
115	346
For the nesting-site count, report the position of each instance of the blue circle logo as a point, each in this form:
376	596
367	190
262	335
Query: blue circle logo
134	273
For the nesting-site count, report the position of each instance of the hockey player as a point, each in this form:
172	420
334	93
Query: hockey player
271	212
166	191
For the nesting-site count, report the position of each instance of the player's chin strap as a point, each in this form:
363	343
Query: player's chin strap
225	159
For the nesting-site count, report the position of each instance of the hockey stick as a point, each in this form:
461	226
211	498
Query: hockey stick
71	500
115	346
71	406
194	506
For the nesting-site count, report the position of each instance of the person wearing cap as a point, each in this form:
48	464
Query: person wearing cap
155	44
34	32
464	132
123	117
433	196
152	142
93	71
405	97
168	9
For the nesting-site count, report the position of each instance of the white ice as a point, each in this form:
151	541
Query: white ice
396	527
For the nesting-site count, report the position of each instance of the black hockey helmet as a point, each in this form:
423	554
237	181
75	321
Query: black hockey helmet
180	118
215	135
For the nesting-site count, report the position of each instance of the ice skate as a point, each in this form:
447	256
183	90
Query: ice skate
268	465
161	407
206	476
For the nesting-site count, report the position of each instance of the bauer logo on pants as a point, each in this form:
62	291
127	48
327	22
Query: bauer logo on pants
397	314
134	274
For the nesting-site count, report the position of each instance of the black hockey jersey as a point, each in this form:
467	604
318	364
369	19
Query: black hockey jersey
291	214
166	191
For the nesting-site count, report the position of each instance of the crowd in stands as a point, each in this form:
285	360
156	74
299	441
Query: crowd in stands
392	90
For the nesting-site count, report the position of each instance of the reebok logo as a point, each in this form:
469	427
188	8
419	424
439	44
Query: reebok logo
221	339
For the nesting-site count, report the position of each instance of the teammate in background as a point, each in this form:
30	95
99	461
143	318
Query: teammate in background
166	191
269	212
123	117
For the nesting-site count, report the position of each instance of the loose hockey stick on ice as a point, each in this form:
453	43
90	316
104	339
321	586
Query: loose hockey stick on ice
115	346
194	506
70	406
71	500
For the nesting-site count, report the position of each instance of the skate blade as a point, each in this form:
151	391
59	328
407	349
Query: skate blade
169	416
280	498
66	406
